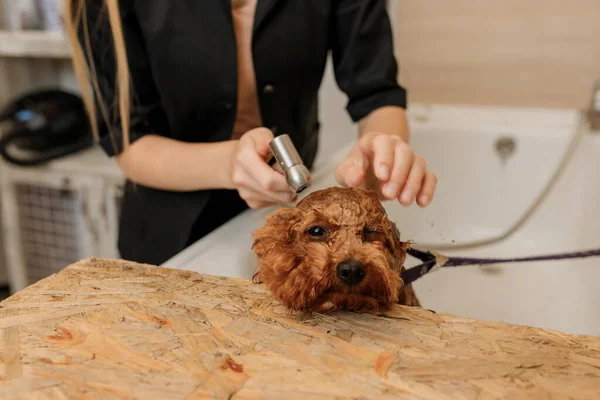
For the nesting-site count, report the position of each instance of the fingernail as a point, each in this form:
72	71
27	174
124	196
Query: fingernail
391	190
384	173
425	200
407	196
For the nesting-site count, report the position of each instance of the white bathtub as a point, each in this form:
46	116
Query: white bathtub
480	198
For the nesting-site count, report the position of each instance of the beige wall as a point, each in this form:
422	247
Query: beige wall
509	52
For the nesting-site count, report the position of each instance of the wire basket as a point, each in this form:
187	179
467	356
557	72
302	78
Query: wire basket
51	229
57	214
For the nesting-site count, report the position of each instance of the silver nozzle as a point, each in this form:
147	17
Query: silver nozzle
297	175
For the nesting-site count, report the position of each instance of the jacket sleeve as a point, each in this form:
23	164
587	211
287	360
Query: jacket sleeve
363	56
146	113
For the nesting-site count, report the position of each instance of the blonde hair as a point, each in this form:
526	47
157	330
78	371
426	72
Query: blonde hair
85	72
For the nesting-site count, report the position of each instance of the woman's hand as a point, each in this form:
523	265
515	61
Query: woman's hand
389	166
256	182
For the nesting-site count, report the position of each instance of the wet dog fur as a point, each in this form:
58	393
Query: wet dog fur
336	250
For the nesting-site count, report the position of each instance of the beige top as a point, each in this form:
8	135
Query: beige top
248	111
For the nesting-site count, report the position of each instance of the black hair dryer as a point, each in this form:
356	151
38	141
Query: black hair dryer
42	126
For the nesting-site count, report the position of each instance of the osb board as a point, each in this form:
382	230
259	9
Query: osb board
103	329
512	52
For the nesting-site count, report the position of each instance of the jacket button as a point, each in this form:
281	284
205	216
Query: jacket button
268	89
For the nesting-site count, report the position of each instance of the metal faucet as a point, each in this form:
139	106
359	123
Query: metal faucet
593	113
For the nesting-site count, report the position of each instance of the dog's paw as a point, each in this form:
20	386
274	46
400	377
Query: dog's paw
326	307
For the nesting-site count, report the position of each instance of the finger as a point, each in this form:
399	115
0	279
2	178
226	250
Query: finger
403	160
365	143
427	189
352	171
250	186
255	204
260	172
256	199
261	138
277	167
383	147
414	181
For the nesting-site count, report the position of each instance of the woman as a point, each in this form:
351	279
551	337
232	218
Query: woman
188	94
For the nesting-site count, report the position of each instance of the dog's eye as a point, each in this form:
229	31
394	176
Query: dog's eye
316	231
370	234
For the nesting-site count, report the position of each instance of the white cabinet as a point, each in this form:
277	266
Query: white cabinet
59	213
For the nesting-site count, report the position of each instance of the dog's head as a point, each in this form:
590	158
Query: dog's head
336	250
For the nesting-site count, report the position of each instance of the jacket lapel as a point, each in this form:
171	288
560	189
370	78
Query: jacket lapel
263	8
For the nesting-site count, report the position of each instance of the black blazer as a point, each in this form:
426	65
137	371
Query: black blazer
182	59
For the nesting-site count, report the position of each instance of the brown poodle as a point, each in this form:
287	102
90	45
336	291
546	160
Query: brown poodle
336	250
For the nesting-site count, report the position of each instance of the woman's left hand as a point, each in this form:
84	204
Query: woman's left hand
388	165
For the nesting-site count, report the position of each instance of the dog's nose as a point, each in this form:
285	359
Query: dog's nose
351	271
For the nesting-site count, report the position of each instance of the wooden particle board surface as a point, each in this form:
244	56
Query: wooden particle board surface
107	329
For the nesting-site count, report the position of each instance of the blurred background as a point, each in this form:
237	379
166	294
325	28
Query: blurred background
503	88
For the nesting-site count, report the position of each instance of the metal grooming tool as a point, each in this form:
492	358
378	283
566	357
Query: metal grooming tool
297	175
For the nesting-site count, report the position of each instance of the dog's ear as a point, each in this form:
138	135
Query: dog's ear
395	233
284	218
278	229
399	245
271	240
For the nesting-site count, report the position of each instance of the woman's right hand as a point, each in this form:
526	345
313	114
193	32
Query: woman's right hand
258	183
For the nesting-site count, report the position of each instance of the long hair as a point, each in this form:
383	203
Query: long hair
83	65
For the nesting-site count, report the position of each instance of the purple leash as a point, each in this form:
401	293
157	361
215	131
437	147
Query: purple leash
432	261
